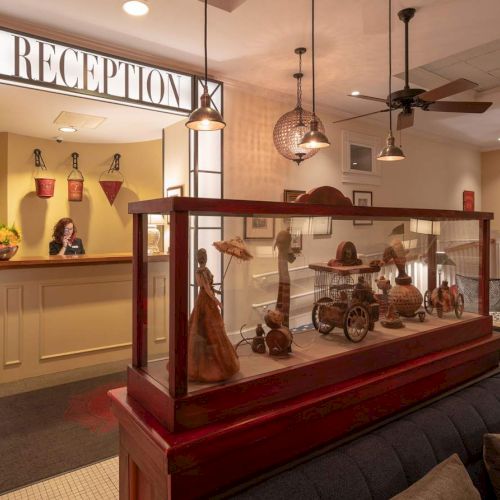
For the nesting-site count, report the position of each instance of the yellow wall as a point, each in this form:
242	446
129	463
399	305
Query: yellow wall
176	154
102	227
3	178
490	184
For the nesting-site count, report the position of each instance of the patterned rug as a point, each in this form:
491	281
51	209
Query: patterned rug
46	432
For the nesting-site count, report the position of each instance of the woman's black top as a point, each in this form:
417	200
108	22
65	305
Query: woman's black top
75	248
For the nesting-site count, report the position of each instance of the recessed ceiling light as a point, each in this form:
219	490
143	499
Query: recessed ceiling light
67	129
355	92
136	7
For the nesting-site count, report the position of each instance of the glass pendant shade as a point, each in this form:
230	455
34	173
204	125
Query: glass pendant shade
391	152
314	139
288	133
205	117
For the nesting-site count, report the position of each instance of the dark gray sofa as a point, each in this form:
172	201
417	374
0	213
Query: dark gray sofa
387	460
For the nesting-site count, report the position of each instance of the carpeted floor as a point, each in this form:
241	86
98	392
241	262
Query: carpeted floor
50	431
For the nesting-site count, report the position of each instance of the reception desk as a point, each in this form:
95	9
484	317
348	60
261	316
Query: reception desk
62	313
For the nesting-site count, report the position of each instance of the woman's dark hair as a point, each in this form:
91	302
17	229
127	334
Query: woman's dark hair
58	233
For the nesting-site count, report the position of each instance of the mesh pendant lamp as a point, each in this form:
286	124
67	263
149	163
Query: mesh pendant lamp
291	127
390	152
205	118
314	139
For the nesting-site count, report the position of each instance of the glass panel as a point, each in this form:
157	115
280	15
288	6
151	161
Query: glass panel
209	151
158	287
332	286
209	185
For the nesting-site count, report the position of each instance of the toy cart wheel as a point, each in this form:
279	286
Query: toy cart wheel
421	316
428	302
356	323
459	305
321	326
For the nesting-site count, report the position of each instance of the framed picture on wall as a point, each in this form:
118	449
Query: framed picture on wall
175	191
321	226
296	243
359	158
290	195
258	228
362	199
468	201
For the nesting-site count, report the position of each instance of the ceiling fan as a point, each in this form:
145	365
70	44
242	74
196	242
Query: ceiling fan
408	98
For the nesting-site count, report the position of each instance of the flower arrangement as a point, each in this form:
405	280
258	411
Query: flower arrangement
9	236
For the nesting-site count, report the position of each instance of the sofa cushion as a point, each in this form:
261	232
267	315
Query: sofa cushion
491	453
449	480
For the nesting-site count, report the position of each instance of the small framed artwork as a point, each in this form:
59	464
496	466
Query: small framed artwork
359	158
362	199
175	191
290	195
258	228
468	201
321	226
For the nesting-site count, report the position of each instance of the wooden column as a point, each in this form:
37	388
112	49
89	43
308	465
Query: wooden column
484	267
140	291
431	261
179	284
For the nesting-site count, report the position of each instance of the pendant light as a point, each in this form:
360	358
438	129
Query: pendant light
390	152
291	127
314	139
205	118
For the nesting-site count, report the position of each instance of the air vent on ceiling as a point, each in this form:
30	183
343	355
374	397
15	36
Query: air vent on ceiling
227	5
78	120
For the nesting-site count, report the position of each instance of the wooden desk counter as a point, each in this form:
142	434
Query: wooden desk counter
74	260
55	318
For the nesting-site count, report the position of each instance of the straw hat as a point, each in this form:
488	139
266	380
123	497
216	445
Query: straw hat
235	247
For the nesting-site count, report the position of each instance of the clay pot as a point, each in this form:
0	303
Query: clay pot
407	299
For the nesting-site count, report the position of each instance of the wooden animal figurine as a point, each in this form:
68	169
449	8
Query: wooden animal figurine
279	338
259	342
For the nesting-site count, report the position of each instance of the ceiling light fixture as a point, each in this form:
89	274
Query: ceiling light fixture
136	7
205	118
314	139
67	129
291	127
390	152
355	92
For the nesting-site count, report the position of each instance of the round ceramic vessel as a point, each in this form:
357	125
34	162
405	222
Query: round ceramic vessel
7	253
407	299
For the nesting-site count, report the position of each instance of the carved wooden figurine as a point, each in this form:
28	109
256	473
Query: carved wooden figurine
211	356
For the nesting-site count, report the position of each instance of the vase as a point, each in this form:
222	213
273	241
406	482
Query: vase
6	253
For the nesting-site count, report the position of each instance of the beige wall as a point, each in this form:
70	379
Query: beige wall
490	184
433	176
103	228
176	155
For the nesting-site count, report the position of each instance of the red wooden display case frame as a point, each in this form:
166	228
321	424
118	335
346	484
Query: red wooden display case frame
170	403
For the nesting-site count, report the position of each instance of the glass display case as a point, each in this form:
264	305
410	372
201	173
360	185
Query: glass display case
267	301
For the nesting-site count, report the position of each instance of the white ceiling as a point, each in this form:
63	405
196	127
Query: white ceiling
255	43
32	112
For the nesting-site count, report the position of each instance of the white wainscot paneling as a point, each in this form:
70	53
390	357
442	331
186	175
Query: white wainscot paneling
12	309
73	317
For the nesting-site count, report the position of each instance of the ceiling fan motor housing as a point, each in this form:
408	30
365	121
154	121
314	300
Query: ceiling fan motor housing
404	98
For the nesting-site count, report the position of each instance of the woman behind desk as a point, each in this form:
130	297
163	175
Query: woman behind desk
64	240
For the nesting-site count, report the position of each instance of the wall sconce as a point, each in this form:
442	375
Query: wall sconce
44	185
111	180
75	181
425	226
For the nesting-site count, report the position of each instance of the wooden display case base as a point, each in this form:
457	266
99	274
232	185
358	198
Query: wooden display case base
330	364
158	464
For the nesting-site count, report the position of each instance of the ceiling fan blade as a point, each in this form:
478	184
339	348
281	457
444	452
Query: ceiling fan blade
448	89
458	106
367	97
405	120
361	116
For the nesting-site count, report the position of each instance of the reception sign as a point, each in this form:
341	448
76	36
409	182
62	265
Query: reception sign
30	61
